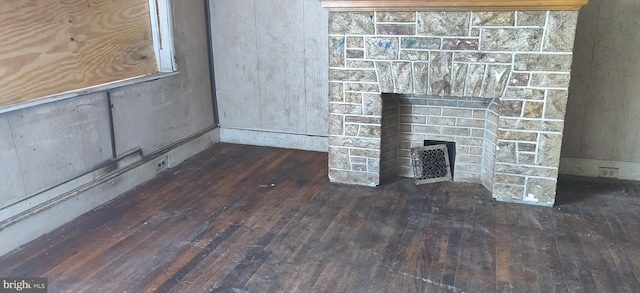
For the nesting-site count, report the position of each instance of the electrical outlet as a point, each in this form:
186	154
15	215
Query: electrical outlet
162	164
608	172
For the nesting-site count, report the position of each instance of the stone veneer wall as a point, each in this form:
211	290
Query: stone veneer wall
521	58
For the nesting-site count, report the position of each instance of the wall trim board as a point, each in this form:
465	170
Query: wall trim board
450	5
80	198
41	198
275	139
589	168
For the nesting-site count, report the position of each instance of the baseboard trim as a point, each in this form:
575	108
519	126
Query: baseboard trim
82	196
275	139
589	168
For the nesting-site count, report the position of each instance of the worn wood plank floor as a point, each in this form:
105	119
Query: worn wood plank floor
254	219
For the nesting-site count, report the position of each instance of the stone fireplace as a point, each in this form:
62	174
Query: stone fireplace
494	82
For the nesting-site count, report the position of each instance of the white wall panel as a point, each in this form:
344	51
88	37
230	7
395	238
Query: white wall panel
11	184
603	114
271	65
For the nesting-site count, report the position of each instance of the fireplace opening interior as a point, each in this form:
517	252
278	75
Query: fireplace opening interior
467	125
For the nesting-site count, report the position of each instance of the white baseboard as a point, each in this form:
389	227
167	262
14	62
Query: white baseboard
275	139
589	168
80	195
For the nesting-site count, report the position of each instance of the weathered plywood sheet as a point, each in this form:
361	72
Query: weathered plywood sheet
49	47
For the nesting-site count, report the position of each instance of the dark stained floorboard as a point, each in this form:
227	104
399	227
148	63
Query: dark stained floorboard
256	219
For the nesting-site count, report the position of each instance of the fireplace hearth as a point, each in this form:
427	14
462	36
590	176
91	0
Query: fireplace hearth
494	82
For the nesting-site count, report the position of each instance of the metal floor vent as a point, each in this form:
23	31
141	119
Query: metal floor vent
430	164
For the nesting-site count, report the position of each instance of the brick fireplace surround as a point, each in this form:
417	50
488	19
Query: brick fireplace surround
495	82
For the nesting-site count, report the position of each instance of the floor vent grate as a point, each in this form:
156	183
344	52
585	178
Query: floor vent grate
431	164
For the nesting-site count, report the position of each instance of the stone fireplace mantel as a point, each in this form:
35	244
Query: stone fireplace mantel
490	76
451	5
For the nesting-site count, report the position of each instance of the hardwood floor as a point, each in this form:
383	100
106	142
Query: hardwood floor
255	219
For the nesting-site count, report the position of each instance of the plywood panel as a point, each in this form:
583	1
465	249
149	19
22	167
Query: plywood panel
282	64
612	116
236	63
49	47
316	106
11	185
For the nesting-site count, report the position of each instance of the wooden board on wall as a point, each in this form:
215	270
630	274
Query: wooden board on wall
50	47
451	5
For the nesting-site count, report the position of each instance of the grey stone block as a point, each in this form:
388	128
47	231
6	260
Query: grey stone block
542	191
460	44
561	30
351	23
484	57
351	177
532	18
495	80
413	55
396	29
475	77
519	79
362	87
439	75
523	94
403	77
550	80
355	54
511	39
459	78
336	93
543	62
420	43
352	75
533	109
385	76
339	158
355	42
420	77
400	16
336	124
382	48
556	104
494	18
443	23
549	149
